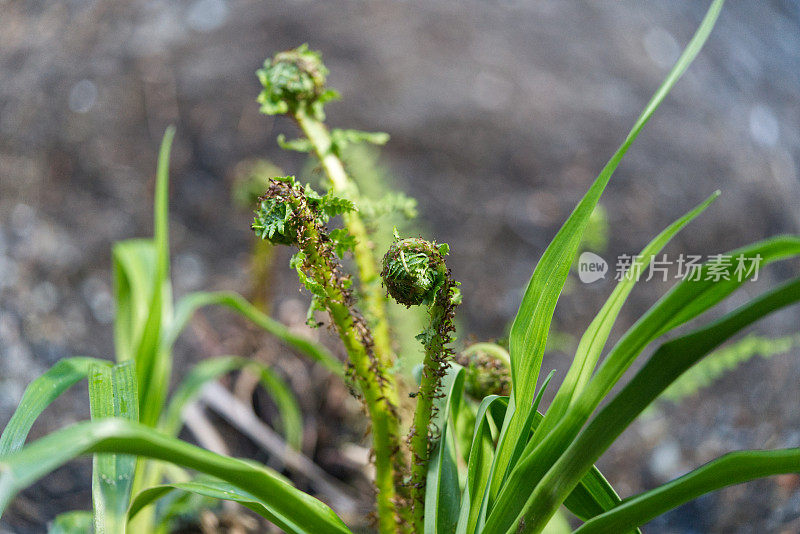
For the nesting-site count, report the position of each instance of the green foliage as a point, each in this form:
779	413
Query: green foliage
146	327
274	221
342	139
414	271
319	270
292	80
287	503
487	370
295	145
112	393
481	457
286	207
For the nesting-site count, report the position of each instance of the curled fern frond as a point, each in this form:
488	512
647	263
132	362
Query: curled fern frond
414	270
291	214
486	371
286	207
292	80
414	273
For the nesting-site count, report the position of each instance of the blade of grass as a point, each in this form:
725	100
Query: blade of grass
663	368
592	496
39	395
194	301
133	265
153	365
687	300
733	468
695	296
112	393
533	422
596	335
442	491
532	323
241	417
28	465
479	464
75	522
208	370
216	490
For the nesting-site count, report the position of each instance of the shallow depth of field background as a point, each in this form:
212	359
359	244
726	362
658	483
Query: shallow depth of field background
501	113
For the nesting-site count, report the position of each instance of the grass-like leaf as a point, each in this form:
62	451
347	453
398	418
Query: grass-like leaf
39	395
663	368
532	424
685	301
442	491
530	328
592	496
596	335
214	489
194	301
133	265
112	393
733	468
491	412
153	365
26	466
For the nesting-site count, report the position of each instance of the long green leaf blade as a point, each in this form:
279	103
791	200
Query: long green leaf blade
153	365
442	491
592	496
596	335
216	490
194	301
687	300
733	468
532	323
39	395
112	393
695	296
533	422
133	263
663	368
479	465
26	466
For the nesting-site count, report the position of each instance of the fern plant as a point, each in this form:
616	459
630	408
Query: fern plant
479	458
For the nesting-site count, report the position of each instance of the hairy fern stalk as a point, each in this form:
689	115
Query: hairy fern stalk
480	457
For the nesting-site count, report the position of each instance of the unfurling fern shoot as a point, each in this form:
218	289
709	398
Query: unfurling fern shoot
289	214
414	273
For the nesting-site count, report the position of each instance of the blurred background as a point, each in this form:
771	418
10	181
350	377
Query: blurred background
501	113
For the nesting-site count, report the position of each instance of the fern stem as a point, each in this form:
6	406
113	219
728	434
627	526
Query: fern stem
434	367
368	373
369	282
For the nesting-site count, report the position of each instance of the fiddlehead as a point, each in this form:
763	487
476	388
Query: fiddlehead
414	273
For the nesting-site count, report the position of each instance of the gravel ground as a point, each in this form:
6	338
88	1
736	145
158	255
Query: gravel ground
501	113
